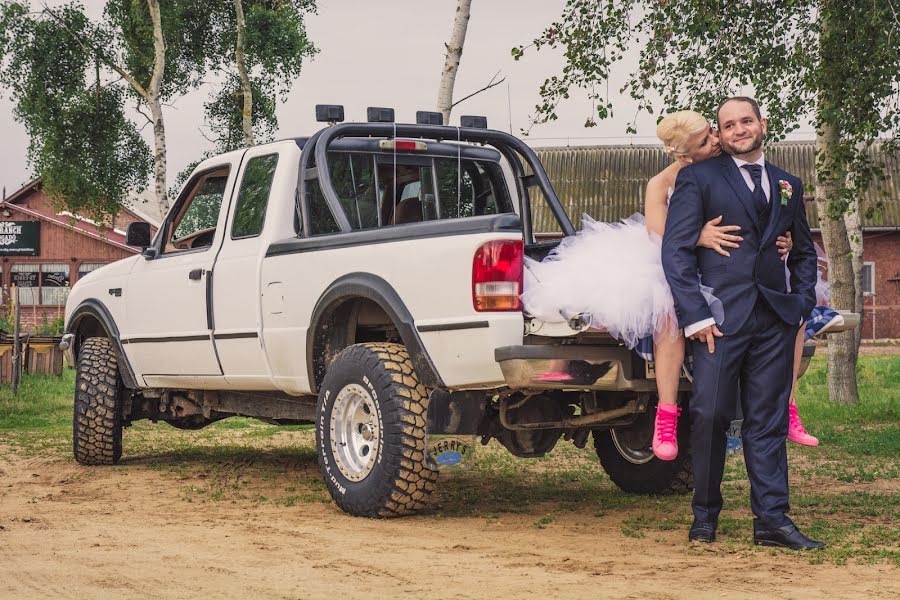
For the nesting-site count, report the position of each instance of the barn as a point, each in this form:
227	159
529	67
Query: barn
44	251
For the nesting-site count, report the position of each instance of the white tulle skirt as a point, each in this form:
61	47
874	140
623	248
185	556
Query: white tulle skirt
823	289
612	271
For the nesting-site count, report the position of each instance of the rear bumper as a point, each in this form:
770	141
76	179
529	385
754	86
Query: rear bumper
550	367
600	368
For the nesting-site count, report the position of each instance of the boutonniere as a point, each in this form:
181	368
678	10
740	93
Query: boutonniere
786	191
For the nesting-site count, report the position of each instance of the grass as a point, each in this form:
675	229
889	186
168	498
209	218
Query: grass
844	492
42	402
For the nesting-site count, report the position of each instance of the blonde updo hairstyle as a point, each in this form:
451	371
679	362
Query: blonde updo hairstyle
676	129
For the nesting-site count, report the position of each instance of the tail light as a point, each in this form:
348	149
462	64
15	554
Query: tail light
398	145
497	275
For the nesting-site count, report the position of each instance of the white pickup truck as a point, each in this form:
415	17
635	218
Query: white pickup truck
365	279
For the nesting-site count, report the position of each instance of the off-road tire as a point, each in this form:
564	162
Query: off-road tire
97	423
655	476
402	477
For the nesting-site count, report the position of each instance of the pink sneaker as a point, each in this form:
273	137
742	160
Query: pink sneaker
553	377
796	432
665	436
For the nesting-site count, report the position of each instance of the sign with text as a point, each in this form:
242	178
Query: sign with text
24	279
20	238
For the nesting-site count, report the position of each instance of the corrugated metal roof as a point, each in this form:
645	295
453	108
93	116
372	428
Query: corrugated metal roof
608	182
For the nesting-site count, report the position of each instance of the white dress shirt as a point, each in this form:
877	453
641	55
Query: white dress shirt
767	189
761	161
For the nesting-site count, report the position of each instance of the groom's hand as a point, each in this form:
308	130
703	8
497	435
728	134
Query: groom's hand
708	335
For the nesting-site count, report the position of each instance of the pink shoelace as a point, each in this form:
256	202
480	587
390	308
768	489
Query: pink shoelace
795	422
667	425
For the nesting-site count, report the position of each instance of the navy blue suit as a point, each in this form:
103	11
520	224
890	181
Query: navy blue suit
755	356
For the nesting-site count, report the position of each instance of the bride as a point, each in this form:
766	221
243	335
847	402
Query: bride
613	271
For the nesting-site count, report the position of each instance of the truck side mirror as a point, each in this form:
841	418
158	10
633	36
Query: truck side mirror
138	234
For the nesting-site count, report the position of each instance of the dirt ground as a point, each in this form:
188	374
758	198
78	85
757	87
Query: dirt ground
137	531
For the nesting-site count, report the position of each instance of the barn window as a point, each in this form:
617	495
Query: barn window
37	284
25	278
54	283
868	277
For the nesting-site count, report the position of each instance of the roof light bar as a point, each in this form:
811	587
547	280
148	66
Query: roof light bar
329	113
473	122
424	117
376	114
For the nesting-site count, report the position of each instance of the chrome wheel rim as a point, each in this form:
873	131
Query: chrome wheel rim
355	432
637	456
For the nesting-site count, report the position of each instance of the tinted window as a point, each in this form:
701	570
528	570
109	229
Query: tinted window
253	197
203	211
321	221
353	178
468	195
375	191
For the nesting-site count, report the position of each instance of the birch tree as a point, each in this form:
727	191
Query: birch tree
240	27
452	58
148	90
260	46
834	63
88	154
152	47
159	49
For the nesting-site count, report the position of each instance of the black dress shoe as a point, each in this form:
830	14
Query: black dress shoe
785	537
702	531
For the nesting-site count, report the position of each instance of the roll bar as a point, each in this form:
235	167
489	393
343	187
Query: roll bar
509	147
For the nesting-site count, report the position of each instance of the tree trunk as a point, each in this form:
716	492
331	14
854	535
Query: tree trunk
451	62
842	351
247	91
854	234
155	105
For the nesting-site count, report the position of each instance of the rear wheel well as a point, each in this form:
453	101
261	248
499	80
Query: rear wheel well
352	321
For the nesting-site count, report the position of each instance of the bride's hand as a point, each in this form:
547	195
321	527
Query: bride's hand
717	237
785	244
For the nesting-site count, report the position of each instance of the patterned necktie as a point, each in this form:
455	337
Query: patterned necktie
759	196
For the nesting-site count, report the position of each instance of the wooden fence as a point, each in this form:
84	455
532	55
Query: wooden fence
40	355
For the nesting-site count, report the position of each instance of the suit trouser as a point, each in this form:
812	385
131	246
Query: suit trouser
758	361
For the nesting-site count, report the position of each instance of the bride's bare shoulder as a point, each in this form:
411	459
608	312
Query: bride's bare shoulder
658	185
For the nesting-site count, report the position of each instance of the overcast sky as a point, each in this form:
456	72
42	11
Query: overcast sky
390	53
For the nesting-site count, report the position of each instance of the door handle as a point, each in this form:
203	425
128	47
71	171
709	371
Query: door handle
195	275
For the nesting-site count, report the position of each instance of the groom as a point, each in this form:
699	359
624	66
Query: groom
751	351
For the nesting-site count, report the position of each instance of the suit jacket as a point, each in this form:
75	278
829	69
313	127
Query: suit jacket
715	187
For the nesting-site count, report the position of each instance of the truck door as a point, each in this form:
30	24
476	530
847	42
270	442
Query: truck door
236	289
168	330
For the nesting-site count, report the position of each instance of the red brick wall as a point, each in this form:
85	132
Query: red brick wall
31	316
882	311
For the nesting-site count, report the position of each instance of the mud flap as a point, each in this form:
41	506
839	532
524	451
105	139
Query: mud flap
451	427
449	451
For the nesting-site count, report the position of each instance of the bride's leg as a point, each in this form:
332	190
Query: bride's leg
796	432
798	357
668	354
